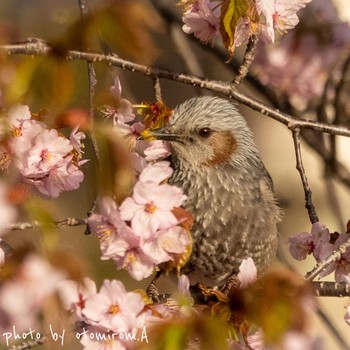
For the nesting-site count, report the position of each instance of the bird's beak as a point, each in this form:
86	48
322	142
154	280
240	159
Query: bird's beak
158	134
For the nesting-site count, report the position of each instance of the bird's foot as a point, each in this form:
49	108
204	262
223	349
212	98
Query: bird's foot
232	282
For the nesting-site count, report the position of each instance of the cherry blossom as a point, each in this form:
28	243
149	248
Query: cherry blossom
298	65
157	172
316	243
114	235
202	19
132	133
75	139
122	109
247	272
114	309
45	159
48	150
183	286
341	267
149	208
138	264
8	213
280	14
73	294
22	297
63	176
157	150
166	245
118	241
18	114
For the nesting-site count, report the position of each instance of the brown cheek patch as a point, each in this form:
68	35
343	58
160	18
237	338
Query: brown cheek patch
224	144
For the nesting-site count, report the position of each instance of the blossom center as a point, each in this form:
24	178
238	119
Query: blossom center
17	132
46	155
114	309
150	208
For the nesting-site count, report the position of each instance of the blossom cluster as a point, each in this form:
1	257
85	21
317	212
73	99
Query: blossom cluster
112	317
44	159
204	18
320	243
143	231
299	64
23	295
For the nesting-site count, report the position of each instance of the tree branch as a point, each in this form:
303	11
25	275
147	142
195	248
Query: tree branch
307	190
247	60
61	223
39	48
334	257
331	289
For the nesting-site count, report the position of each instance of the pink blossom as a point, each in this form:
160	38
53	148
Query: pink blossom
75	139
139	163
203	19
138	264
24	136
341	267
8	213
95	338
242	31
247	272
73	294
118	241
156	172
22	297
114	309
347	315
294	340
122	109
301	245
157	150
114	235
256	341
166	244
18	114
131	133
63	176
149	208
280	14
316	243
298	65
48	150
184	287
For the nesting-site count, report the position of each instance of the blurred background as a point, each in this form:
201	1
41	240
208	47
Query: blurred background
153	34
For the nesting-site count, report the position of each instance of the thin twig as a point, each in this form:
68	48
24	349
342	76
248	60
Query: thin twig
157	89
307	190
6	248
247	60
92	86
334	257
30	48
331	289
21	226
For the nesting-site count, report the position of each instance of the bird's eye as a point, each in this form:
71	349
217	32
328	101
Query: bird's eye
205	132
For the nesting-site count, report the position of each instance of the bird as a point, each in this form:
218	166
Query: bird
229	191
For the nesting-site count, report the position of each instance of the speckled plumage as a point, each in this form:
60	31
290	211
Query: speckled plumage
229	192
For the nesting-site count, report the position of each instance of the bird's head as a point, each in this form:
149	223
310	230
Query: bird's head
207	131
